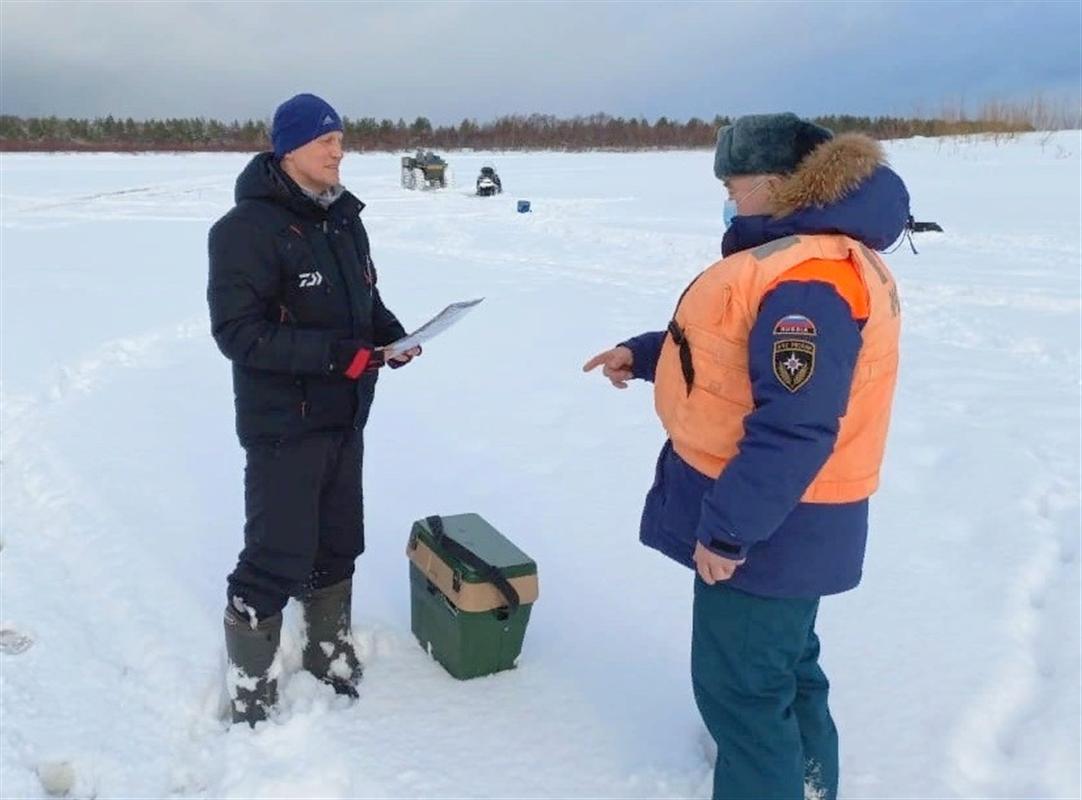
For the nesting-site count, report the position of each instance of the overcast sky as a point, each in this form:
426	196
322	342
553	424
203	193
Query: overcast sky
450	60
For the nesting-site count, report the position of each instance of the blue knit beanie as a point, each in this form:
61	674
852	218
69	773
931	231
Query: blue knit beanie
766	144
301	119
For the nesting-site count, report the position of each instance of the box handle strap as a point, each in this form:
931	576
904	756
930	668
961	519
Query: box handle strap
488	572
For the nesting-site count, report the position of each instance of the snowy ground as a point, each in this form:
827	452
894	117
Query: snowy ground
955	666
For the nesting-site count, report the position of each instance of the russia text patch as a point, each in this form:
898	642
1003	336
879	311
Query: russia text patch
794	362
794	325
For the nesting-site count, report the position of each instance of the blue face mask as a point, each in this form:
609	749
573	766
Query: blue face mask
728	213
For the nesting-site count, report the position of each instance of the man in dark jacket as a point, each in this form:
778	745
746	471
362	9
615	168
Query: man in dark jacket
294	305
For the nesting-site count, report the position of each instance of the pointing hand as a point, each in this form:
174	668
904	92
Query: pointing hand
615	363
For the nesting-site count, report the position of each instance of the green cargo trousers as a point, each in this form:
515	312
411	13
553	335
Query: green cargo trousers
758	685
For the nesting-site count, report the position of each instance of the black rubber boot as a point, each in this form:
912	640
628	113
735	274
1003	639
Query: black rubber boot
329	653
252	690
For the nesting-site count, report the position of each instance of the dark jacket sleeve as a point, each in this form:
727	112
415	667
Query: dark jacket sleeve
645	352
788	436
242	288
386	325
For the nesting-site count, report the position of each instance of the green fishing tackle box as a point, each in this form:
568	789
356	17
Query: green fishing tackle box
471	592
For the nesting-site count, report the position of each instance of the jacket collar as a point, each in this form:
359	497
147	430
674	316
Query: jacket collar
874	213
264	179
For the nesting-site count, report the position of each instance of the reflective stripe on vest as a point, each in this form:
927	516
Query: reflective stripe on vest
704	417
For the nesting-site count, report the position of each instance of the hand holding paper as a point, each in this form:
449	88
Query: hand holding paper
401	359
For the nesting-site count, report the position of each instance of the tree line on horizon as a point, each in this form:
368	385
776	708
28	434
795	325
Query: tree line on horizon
513	132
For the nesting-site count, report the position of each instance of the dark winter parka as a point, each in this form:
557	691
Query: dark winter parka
292	295
793	549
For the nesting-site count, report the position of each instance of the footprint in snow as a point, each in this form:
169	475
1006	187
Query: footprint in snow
12	642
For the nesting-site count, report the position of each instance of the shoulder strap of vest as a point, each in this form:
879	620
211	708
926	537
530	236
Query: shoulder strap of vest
842	274
875	261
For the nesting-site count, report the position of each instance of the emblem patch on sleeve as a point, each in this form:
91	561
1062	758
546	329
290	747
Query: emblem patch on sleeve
794	362
794	325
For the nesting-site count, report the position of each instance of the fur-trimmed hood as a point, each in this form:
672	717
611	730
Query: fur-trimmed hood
828	173
843	186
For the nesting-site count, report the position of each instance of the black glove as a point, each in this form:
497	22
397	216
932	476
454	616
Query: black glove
409	357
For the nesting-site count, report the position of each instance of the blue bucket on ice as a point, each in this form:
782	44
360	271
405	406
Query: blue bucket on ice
523	206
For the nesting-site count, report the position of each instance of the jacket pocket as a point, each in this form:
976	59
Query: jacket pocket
721	364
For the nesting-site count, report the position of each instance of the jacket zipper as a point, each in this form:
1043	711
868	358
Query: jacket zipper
305	408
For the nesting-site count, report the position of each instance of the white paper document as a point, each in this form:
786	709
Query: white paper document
434	327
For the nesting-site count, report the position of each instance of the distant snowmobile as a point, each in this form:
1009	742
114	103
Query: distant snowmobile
488	182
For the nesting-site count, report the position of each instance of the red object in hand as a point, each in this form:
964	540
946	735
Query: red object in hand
358	364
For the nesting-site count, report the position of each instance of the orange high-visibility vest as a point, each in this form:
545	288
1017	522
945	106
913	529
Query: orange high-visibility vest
706	419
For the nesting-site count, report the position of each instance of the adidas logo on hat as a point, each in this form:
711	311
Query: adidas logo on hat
328	120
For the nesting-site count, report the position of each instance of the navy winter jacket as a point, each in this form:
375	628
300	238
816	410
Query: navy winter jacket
753	509
292	295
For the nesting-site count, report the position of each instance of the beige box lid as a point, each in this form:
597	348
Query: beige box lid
471	597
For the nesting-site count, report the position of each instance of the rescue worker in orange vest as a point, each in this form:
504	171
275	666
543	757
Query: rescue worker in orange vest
774	381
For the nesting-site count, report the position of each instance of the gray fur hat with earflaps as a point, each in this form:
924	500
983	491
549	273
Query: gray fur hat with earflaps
766	144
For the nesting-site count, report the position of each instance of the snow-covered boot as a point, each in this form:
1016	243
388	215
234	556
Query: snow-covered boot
252	689
329	652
